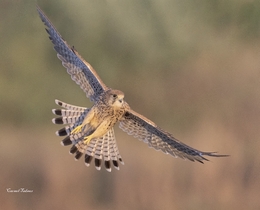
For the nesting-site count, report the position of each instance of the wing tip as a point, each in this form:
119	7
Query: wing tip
214	154
200	158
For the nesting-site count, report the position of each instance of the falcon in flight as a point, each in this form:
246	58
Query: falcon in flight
90	130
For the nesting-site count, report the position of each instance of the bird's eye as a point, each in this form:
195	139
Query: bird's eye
114	95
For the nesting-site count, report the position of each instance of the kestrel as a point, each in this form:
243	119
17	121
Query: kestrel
90	130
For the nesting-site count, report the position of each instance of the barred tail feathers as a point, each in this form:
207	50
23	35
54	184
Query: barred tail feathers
72	115
104	147
98	148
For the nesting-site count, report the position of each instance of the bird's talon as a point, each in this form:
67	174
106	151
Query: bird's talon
78	129
86	140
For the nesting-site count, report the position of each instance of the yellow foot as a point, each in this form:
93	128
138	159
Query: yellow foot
77	129
87	140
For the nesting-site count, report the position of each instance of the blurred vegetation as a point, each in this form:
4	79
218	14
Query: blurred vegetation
192	67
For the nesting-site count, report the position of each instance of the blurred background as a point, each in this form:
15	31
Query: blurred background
192	67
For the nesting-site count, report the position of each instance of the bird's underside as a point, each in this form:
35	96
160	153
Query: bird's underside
86	132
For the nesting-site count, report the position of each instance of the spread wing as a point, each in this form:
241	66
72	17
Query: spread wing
81	71
145	130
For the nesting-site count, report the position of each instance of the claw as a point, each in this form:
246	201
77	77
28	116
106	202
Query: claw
78	129
87	140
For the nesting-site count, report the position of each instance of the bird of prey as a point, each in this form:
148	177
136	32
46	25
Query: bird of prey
90	130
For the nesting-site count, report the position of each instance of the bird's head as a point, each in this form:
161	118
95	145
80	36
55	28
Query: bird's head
115	98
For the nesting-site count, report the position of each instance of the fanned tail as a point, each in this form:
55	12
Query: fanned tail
99	148
72	115
104	147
